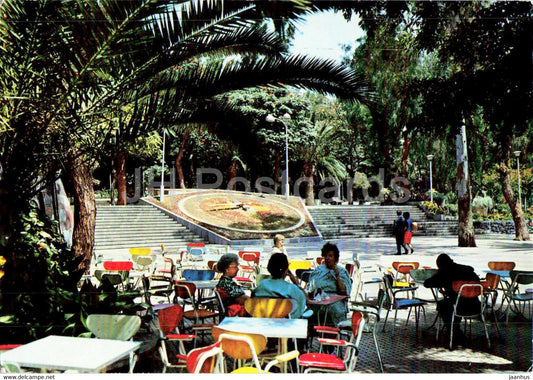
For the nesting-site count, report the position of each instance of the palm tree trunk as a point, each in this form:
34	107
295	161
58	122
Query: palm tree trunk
521	232
309	171
121	178
81	175
179	158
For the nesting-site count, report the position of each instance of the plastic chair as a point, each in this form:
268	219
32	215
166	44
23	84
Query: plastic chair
501	265
398	303
402	272
268	307
490	286
421	275
185	291
205	359
299	264
196	251
115	272
169	319
241	347
198	274
9	367
320	362
468	289
113	326
514	295
247	275
142	258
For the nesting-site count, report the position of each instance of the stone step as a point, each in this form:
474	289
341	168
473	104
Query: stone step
119	227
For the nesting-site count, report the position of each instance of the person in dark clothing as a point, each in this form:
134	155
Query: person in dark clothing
448	272
398	231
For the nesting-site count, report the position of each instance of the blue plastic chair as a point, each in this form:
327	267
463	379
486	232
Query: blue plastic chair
198	274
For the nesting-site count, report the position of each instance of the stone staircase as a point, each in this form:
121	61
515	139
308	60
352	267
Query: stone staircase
122	227
358	221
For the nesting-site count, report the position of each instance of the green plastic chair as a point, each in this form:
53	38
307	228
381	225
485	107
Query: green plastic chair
112	326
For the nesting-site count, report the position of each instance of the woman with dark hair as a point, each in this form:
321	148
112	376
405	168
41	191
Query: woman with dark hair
277	287
228	265
330	278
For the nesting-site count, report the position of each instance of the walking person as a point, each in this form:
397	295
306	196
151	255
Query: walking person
408	233
398	231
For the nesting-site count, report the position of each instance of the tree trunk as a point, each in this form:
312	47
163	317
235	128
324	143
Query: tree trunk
121	178
179	158
405	155
81	176
233	173
309	171
466	237
520	226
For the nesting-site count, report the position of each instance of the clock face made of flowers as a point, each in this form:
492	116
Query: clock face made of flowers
242	212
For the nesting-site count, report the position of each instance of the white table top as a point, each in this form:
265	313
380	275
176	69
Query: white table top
63	353
205	284
269	327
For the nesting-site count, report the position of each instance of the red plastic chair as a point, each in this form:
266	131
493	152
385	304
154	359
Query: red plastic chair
169	320
185	293
205	359
319	362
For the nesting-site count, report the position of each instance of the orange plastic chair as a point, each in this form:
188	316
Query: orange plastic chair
469	289
240	346
319	362
501	265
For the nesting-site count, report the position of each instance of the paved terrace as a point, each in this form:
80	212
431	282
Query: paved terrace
409	351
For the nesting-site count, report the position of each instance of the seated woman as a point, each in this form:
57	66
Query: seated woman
277	287
330	278
233	293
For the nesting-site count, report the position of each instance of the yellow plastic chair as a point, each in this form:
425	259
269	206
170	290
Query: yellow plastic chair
141	257
240	346
299	264
268	307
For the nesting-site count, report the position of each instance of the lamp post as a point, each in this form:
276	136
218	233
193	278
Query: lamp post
284	120
162	185
430	159
517	155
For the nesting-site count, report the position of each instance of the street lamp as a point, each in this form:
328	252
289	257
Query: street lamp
284	120
162	185
517	155
430	159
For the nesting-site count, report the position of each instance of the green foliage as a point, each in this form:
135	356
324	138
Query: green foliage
438	197
43	299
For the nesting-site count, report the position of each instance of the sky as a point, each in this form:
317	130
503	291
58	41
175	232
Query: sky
322	34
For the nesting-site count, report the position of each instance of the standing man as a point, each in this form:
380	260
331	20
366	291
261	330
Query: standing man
398	231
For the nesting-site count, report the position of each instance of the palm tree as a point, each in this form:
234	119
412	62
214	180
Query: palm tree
72	73
317	159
